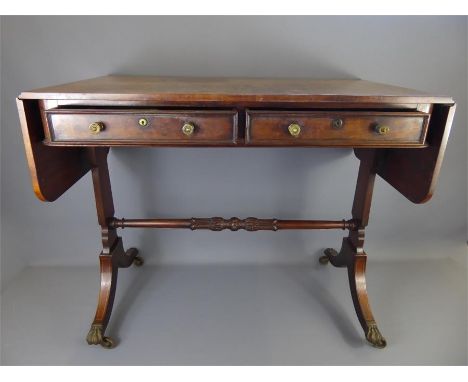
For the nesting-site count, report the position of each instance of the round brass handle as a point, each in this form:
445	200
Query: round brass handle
143	122
96	127
188	128
294	129
337	123
381	129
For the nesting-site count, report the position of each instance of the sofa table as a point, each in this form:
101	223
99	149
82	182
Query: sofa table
397	133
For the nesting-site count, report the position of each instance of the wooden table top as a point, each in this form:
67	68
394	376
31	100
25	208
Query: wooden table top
231	90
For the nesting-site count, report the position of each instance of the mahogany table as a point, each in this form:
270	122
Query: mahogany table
397	133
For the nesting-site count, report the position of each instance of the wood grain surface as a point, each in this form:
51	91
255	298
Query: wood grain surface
202	89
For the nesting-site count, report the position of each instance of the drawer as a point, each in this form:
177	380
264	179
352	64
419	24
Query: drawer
141	127
341	128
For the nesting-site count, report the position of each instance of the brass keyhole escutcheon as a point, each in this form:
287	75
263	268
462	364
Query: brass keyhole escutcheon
188	128
294	129
381	129
96	127
337	123
143	122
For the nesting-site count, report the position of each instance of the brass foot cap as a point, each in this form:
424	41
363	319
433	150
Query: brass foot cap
138	261
107	343
324	260
375	338
95	337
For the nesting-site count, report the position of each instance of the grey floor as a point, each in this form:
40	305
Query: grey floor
238	315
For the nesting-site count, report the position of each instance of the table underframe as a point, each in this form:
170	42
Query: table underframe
351	255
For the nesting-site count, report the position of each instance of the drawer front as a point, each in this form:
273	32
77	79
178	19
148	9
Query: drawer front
353	129
133	127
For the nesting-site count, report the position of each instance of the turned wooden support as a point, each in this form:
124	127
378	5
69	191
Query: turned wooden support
234	224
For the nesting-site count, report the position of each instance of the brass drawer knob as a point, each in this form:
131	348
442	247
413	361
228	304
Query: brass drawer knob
381	129
337	123
96	127
294	129
188	129
143	122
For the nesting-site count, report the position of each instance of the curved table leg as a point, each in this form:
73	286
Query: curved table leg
336	259
357	285
352	255
355	261
113	255
110	265
105	302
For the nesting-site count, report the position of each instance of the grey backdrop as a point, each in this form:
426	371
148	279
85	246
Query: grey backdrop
426	53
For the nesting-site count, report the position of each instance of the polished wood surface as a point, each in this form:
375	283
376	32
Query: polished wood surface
352	254
397	133
53	170
113	256
345	128
234	224
414	174
122	127
202	89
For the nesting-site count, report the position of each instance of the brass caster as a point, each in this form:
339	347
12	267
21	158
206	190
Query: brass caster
374	337
96	337
138	261
107	343
324	260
